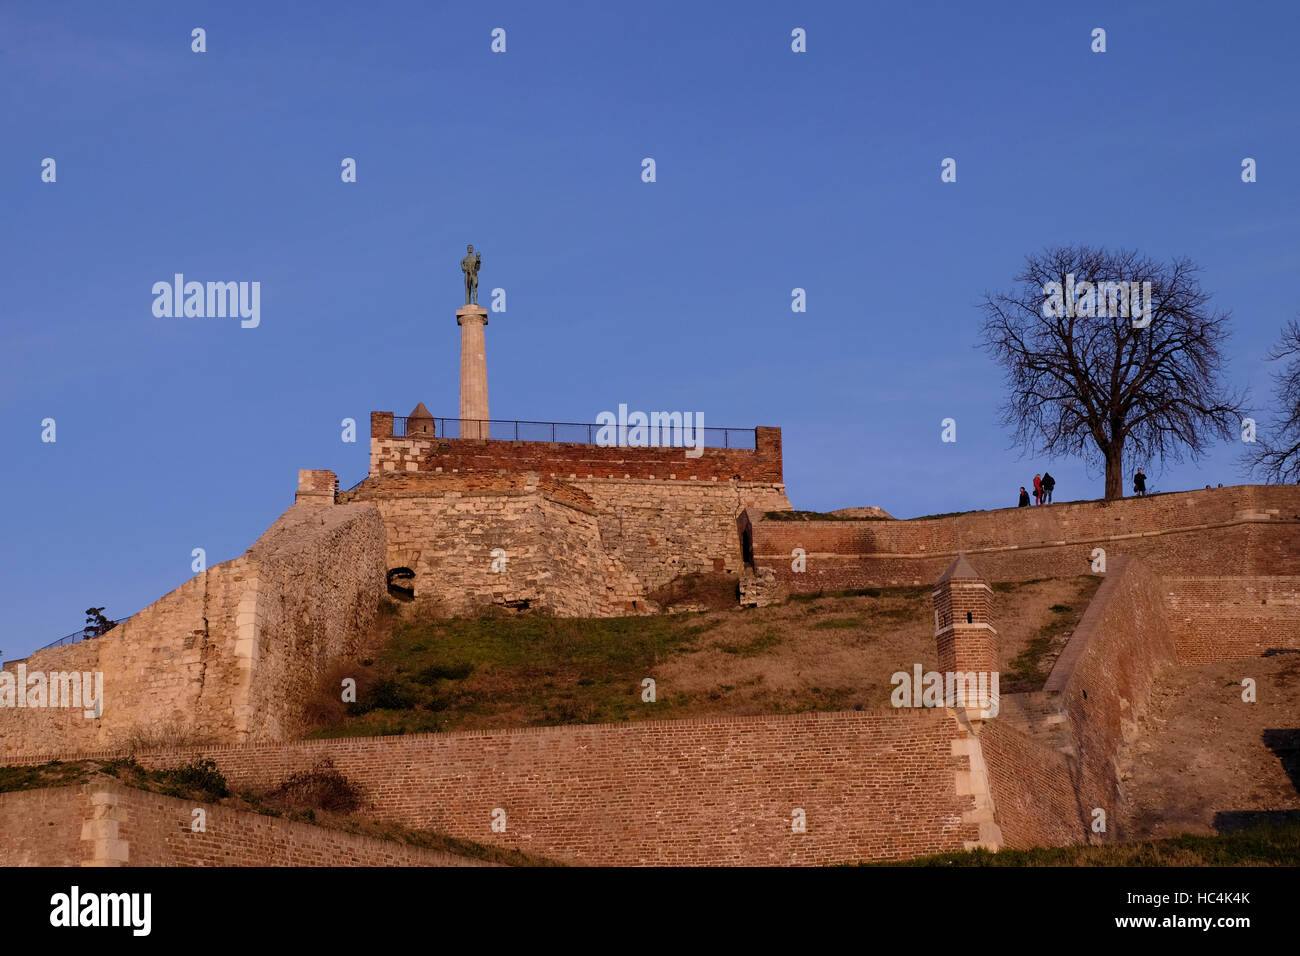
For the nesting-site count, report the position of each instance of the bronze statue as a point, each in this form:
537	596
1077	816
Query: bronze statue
469	265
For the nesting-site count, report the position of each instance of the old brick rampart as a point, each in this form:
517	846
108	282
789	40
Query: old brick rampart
1105	674
104	823
402	454
1242	530
873	785
1224	618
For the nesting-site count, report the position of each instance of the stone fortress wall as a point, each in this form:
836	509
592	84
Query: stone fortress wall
585	529
871	785
234	652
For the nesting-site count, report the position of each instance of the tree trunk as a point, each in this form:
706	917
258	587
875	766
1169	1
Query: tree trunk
1115	471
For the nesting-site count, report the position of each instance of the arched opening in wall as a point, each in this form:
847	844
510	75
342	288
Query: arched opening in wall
401	584
746	540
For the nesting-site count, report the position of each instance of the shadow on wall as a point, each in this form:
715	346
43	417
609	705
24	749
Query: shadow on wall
1285	743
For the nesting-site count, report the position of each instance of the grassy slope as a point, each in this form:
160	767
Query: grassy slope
816	652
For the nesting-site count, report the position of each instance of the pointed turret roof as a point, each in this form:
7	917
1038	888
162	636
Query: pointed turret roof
419	412
959	569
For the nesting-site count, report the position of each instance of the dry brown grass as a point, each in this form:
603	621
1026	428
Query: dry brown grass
816	653
841	652
1202	760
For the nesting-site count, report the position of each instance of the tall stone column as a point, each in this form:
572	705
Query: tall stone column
473	372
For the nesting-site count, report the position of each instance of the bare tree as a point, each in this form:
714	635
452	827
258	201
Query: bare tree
1111	355
1277	458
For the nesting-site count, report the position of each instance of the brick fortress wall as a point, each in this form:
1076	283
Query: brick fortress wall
103	823
1223	618
1243	530
873	785
388	453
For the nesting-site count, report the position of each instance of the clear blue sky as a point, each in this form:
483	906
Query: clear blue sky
775	170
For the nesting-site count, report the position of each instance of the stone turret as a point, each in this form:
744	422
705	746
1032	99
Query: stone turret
419	422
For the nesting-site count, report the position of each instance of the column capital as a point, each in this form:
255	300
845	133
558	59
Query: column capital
471	311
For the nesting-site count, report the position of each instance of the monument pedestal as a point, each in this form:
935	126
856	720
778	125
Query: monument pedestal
473	372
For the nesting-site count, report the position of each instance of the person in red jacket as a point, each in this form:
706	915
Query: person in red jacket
1038	489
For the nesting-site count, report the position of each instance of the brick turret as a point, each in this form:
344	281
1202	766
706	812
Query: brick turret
963	631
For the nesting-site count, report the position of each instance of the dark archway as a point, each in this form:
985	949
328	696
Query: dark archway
746	539
401	584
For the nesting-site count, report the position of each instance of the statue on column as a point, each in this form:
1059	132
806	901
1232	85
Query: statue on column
470	265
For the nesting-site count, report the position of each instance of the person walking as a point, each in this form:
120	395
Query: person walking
1024	498
1140	484
1048	484
1038	489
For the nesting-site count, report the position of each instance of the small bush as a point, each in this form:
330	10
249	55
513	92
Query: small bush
387	693
431	675
322	787
200	777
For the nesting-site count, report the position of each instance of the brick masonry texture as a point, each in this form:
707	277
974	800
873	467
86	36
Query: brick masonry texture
763	463
1032	788
1105	673
103	823
1242	530
233	653
1218	619
43	827
873	784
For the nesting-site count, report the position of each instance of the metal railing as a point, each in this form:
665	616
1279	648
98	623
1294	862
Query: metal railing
77	636
575	433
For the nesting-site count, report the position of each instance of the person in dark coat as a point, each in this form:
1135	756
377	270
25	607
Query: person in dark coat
1024	498
1048	484
1140	484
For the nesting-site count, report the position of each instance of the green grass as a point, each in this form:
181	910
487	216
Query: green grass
197	780
437	675
52	774
1026	672
1268	844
